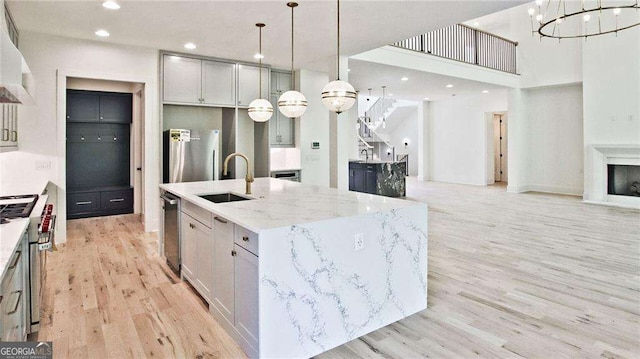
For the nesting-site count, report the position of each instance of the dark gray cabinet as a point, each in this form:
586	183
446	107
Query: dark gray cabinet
98	154
363	177
94	106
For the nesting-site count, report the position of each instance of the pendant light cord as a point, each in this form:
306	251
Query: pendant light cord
338	40
293	74
260	62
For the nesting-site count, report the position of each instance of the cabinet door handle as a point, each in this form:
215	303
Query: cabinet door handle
14	136
116	200
233	253
15	306
5	134
83	203
221	220
192	225
102	118
15	260
245	238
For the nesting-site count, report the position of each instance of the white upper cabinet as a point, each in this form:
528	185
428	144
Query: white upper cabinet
280	82
182	79
219	83
248	84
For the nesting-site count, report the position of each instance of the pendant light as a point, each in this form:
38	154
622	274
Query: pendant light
292	103
260	110
338	95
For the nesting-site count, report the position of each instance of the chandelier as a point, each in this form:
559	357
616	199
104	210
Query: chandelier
572	19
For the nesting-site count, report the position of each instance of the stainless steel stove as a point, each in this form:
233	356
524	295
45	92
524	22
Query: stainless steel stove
16	206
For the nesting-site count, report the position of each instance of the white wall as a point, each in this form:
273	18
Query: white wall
457	137
554	140
611	98
43	127
406	128
314	127
540	63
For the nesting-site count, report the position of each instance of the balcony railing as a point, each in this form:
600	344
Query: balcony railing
462	43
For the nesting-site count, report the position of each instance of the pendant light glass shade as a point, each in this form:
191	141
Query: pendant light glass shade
338	96
292	104
260	110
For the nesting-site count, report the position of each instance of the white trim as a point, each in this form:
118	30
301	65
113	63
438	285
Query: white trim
613	204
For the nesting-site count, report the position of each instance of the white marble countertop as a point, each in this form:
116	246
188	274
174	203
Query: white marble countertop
10	234
280	203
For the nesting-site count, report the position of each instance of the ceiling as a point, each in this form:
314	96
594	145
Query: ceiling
364	75
226	29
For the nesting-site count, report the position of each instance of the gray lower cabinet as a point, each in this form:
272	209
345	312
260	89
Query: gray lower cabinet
99	202
223	276
246	290
13	296
221	263
196	248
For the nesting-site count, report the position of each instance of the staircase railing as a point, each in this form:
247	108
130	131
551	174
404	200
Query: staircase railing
369	139
377	112
462	43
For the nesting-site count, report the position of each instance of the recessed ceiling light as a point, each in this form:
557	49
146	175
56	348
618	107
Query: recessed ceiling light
189	46
476	24
348	70
426	99
258	56
404	78
390	94
102	33
111	5
485	91
449	86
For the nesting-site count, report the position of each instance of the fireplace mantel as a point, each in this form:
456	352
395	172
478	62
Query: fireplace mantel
598	157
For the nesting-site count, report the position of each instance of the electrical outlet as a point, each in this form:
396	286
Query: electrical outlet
43	165
358	243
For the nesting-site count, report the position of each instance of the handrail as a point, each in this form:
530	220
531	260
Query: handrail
375	133
463	43
365	142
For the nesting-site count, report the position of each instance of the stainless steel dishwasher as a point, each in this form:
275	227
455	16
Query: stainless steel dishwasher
171	230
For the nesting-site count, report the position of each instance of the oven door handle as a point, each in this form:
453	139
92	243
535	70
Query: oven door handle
17	303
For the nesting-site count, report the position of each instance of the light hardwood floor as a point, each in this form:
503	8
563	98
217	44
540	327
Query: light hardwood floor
510	275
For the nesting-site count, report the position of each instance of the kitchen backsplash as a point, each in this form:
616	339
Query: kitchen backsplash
285	158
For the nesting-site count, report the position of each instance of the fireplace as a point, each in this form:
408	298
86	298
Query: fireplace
610	174
623	180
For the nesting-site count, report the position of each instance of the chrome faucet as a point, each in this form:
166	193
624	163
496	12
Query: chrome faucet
249	177
366	154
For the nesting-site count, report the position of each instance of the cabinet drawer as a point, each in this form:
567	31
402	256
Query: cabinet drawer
201	214
116	199
246	239
83	202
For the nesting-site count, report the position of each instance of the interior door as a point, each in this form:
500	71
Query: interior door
500	147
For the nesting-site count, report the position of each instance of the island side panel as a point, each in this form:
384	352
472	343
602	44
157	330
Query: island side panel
318	292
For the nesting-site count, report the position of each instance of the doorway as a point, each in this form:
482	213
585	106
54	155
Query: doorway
105	120
500	148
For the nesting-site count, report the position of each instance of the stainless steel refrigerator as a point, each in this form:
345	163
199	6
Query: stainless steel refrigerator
190	155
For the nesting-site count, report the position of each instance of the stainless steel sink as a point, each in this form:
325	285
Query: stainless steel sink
223	197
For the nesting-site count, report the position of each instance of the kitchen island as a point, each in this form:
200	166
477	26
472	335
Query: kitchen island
384	178
298	269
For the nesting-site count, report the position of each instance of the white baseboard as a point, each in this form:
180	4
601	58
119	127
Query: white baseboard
572	191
